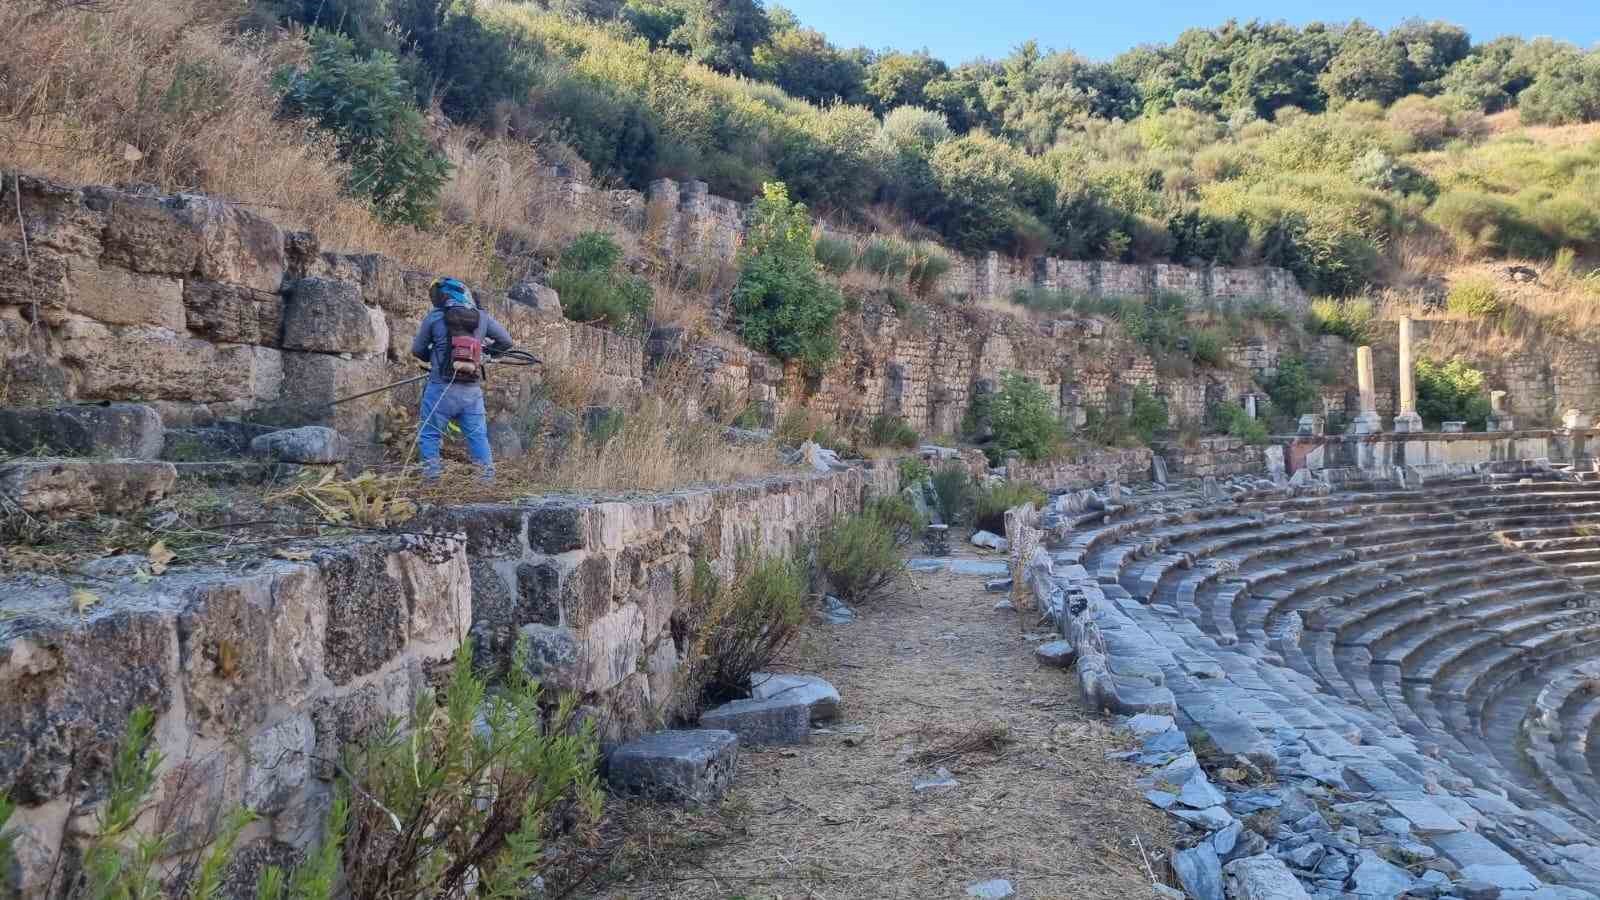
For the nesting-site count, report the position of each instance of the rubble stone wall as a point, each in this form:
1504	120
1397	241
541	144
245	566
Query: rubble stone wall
1222	455
1127	466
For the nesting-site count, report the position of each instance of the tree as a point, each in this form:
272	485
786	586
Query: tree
1564	94
782	304
1367	66
367	106
804	64
722	34
979	178
900	79
1023	419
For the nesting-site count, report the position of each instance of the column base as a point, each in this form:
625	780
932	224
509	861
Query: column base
1407	423
1366	423
1501	423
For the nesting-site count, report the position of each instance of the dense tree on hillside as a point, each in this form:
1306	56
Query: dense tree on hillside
900	79
805	65
722	34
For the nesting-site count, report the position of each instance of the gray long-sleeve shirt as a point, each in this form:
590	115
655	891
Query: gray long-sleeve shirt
432	343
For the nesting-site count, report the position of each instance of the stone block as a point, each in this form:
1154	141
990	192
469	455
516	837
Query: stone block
1261	877
433	574
116	296
238	247
821	698
53	487
310	444
611	649
538	296
683	766
55	215
555	656
224	654
778	720
1055	654
368	618
324	315
159	235
38	277
279	764
228	313
68	681
343	718
126	430
144	363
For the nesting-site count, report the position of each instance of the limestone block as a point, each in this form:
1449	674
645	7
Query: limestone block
777	720
555	656
55	215
225	654
538	592
159	235
343	718
538	296
229	313
821	697
1262	877
238	246
126	430
683	766
368	618
433	573
279	764
66	486
557	526
324	315
37	277
493	530
586	591
309	444
297	640
116	296
157	364
611	649
68	681
312	381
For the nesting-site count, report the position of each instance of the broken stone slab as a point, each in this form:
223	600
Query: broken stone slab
680	766
990	540
939	779
1199	871
309	445
1215	818
1262	877
1503	877
1055	654
837	612
119	430
1426	818
1199	793
821	697
993	889
51	487
1378	878
778	720
997	585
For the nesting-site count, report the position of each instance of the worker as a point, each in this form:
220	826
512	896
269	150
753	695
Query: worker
452	341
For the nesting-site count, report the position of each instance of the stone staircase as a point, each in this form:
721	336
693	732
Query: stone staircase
1434	645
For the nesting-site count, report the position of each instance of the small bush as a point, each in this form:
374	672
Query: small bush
899	516
927	265
1023	419
952	491
1475	298
835	255
892	431
1349	319
1209	347
913	471
859	558
798	425
781	303
1148	414
744	623
1294	389
989	504
1451	392
1231	419
593	290
886	258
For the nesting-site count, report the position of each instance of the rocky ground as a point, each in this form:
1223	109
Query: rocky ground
956	760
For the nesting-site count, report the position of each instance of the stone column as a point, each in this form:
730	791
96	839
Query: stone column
1407	420
1367	420
1250	405
1499	418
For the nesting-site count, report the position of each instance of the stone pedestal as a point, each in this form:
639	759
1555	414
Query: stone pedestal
1499	418
1453	427
1576	419
1313	425
1407	423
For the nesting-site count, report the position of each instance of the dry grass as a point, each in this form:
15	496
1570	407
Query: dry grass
1037	802
1560	304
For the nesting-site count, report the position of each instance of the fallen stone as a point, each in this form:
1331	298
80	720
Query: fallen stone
120	430
1414	851
1171	741
1253	801
1550	892
993	889
1262	877
1199	793
997	585
1055	654
1475	890
837	612
1307	856
1378	879
1199	871
1504	877
821	697
1005	606
1335	866
1161	799
1214	819
819	458
541	297
51	487
680	766
990	540
778	720
310	445
1425	817
1146	724
975	567
939	779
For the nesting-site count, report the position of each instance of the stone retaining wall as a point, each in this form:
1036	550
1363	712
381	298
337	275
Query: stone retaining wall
255	672
1221	455
1128	466
1433	451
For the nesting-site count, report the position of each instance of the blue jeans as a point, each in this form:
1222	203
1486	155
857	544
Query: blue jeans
463	405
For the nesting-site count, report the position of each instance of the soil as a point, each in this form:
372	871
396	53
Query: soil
932	678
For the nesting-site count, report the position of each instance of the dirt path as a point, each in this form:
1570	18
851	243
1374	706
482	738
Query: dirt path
920	675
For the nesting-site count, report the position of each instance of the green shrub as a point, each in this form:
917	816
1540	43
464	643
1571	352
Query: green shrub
781	303
1484	223
952	492
899	516
1294	389
1349	319
886	258
927	264
1210	347
892	431
1148	414
1023	419
367	105
1451	392
1231	419
836	255
742	625
913	471
1475	298
989	504
859	558
593	290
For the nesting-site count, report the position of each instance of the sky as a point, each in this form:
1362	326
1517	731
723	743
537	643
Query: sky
959	30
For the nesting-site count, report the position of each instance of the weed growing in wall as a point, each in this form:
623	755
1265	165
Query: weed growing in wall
593	289
1023	420
990	503
859	556
782	304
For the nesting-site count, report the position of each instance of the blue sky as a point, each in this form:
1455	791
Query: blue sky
958	31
